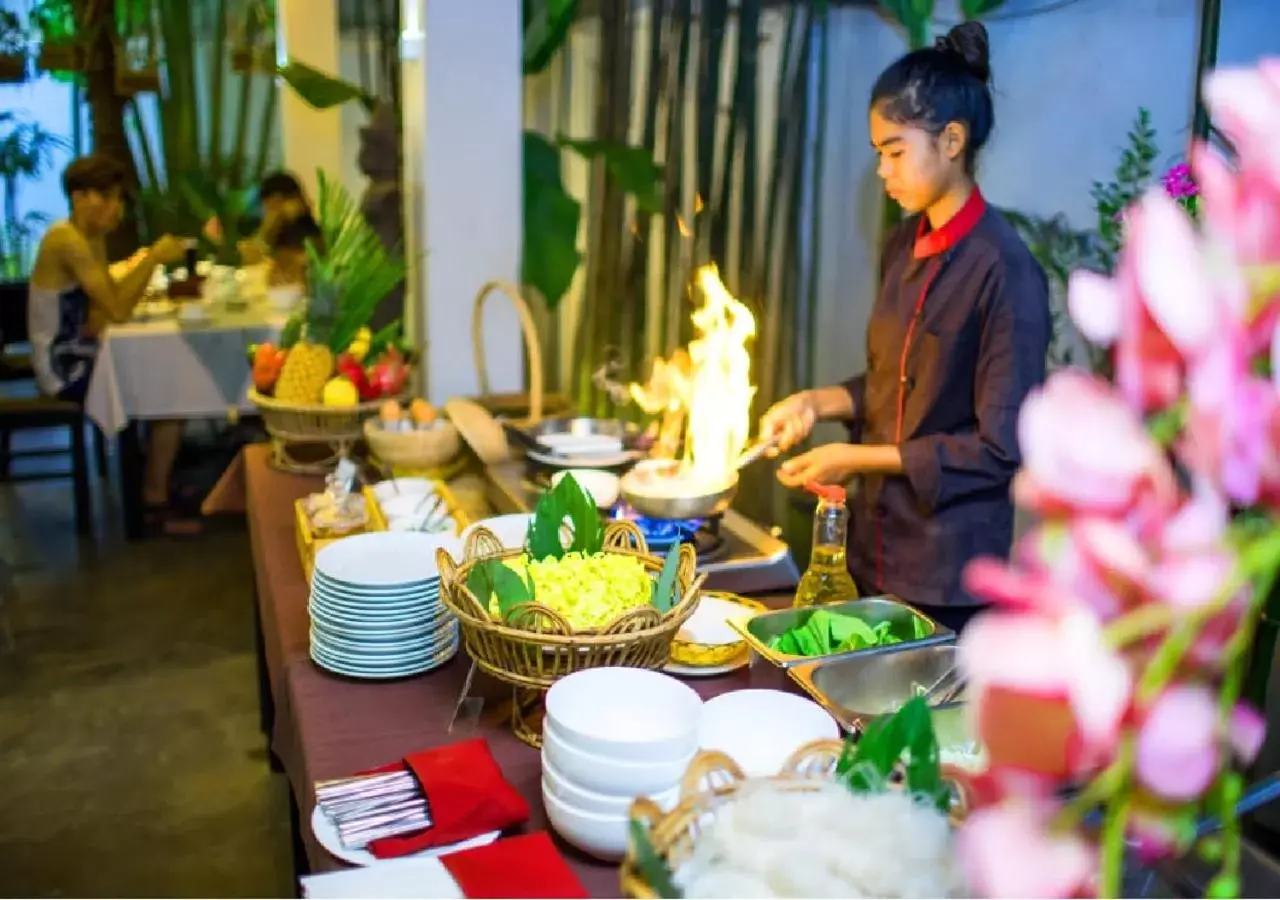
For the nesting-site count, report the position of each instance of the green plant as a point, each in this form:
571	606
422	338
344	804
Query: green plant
13	37
27	150
1134	174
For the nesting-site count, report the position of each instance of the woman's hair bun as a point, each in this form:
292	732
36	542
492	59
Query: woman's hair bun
969	41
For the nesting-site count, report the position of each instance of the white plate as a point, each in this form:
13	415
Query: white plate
378	650
327	834
709	623
601	461
383	558
385	629
419	598
362	670
707	671
420	586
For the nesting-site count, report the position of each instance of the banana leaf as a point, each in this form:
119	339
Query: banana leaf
632	168
551	216
323	91
546	27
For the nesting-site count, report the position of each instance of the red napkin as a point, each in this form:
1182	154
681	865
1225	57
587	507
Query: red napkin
527	866
467	795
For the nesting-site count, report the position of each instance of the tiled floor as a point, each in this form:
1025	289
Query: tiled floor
131	762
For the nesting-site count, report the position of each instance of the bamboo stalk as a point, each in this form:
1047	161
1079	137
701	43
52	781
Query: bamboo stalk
808	335
748	202
217	78
266	132
748	37
674	201
788	299
362	47
711	28
236	177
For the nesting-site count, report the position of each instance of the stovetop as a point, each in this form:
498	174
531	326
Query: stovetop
738	555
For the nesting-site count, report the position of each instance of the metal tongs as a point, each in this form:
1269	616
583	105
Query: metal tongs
755	451
946	689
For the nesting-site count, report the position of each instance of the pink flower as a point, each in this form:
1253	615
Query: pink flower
1177	751
1158	311
1179	744
1007	850
1047	695
1109	468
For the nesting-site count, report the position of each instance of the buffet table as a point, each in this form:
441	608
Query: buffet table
325	726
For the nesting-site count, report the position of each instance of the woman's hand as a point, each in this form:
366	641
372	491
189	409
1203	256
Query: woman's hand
837	463
789	421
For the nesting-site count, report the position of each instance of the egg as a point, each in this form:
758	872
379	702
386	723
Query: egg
422	412
390	413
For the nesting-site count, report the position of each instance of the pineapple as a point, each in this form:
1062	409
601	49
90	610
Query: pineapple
347	278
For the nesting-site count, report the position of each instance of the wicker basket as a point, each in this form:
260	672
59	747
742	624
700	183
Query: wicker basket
430	448
532	347
536	646
709	785
294	427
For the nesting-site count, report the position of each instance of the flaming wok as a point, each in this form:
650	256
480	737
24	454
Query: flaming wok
666	489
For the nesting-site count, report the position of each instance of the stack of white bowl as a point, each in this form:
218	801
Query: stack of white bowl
610	735
410	504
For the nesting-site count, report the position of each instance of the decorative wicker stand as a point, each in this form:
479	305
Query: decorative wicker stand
309	439
535	646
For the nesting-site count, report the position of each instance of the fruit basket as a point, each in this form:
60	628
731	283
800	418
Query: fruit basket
293	426
534	645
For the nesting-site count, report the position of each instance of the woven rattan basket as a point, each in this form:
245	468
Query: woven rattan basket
426	448
710	784
310	438
536	646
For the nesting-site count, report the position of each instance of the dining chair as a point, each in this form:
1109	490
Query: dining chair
23	408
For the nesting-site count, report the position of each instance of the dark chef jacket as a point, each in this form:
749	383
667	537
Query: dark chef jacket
957	338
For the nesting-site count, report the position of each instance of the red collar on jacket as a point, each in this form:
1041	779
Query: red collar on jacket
931	243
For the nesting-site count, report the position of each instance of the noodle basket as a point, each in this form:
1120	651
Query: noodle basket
536	645
711	784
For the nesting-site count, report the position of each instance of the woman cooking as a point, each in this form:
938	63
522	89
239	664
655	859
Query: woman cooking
957	338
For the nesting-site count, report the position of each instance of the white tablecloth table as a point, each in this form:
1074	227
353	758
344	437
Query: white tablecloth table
172	369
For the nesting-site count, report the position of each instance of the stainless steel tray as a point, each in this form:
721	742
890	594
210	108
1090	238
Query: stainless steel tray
760	629
856	689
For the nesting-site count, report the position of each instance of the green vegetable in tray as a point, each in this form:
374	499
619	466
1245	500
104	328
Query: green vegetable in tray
824	633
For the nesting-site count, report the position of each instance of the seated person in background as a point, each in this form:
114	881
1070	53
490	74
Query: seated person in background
73	297
287	262
282	201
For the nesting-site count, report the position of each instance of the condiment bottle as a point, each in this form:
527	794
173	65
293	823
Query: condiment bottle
827	580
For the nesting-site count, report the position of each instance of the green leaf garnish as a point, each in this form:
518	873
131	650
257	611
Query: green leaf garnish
492	577
567	500
867	765
823	633
652	867
664	589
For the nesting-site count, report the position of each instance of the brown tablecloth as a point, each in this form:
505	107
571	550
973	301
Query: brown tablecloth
326	726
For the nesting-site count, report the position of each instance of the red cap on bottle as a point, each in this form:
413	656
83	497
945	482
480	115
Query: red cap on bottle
833	493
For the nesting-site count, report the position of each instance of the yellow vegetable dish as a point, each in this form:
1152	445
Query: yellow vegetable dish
590	591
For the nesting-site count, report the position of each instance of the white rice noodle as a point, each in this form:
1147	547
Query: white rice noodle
770	842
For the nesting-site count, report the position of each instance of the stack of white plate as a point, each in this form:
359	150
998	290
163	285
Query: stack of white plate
375	606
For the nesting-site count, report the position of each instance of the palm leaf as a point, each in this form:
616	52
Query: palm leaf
351	272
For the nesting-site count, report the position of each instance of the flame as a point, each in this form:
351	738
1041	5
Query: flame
708	386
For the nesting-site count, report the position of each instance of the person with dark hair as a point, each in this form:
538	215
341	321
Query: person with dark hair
956	340
282	200
287	263
74	294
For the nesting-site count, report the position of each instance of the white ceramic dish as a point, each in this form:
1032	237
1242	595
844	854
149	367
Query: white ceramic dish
327	835
594	802
602	486
610	776
510	530
625	714
759	729
402	487
596	461
738	662
383	558
408	505
601	836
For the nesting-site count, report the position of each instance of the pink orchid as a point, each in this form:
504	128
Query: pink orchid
1158	829
1007	850
1158	310
1179	745
1110	468
1051	678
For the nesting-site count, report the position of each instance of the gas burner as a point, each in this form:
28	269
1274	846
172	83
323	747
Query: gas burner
661	534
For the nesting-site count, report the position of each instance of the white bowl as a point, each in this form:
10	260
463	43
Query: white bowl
601	836
626	714
607	775
595	802
510	530
407	505
602	486
402	487
283	298
759	729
